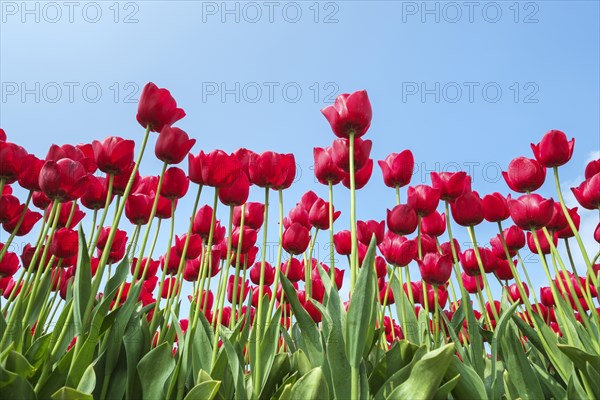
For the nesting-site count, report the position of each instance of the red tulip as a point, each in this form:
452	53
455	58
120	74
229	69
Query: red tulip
307	200
597	233
30	173
340	153
366	229
501	268
171	288
269	274
495	207
380	267
75	153
297	214
67	210
558	220
530	211
490	311
256	293
241	289
10	208
119	244
120	182
309	307
253	215
114	155
157	108
514	238
237	193
293	269
29	220
194	247
2	135
398	250
397	169
467	210
138	208
546	296
469	262
342	243
361	177
471	282
150	265
567	232
554	150
430	290
64	243
175	184
542	240
249	237
202	221
424	199
319	214
434	224
588	193
272	170
402	219
172	145
325	169
94	198
40	200
451	184
215	169
9	265
446	247
63	180
350	114
524	175
295	239
592	168
515	294
12	159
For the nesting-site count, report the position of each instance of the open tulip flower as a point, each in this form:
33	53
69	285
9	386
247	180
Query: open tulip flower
310	304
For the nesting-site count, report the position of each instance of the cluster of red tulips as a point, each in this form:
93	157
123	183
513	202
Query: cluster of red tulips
230	281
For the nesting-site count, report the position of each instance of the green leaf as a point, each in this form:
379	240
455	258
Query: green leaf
67	393
235	364
575	391
499	331
18	364
471	385
409	327
204	391
361	312
426	375
580	357
87	384
82	286
549	382
400	376
154	369
311	386
400	355
444	390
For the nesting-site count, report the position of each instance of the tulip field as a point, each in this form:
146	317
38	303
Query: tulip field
96	306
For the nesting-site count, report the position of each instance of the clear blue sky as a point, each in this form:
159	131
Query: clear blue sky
462	86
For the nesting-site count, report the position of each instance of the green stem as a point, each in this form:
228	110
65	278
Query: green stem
331	246
278	262
94	240
354	251
238	254
482	272
397	195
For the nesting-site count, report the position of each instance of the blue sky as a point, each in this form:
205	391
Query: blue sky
462	86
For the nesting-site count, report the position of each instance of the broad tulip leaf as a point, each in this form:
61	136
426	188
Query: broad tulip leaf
204	391
499	331
409	327
311	386
82	286
470	386
154	369
236	369
67	393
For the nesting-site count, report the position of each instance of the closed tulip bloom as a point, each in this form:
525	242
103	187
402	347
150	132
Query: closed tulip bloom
40	200
63	180
237	193
295	238
29	221
592	168
240	288
64	243
588	193
10	207
467	210
12	159
94	198
75	153
554	149
202	221
530	211
495	207
319	214
172	145
157	108
469	262
471	283
114	155
272	170
343	243
430	290
2	135
435	268
340	152
423	199
30	173
269	275
546	297
366	229
297	214
361	177
543	242
451	184
307	200
119	244
293	269
558	220
515	293
402	219
253	215
514	238
175	184
256	293
434	224
398	250
325	169
219	169
501	268
9	264
194	247
397	169
65	213
138	208
446	247
567	232
350	114
249	237
524	175
170	288
120	182
150	265
597	233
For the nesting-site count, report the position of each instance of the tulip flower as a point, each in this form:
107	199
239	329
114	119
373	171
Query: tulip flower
398	250
147	264
256	294
558	220
397	169
319	214
76	153
295	238
467	209
524	175
592	168
94	198
588	193
241	290
515	294
361	177
2	135
269	274
9	264
253	216
12	159
138	208
326	171
501	268
451	184
170	288
117	250
64	243
542	240
114	155
446	247
430	290
554	150
272	170
495	207
293	269
471	283
402	219
63	180
434	224
468	260
29	220
157	108
10	207
120	181
423	199
597	233
530	211
350	114
237	193
567	232
366	229
340	153
249	237
215	169
30	172
175	184
172	145
343	243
